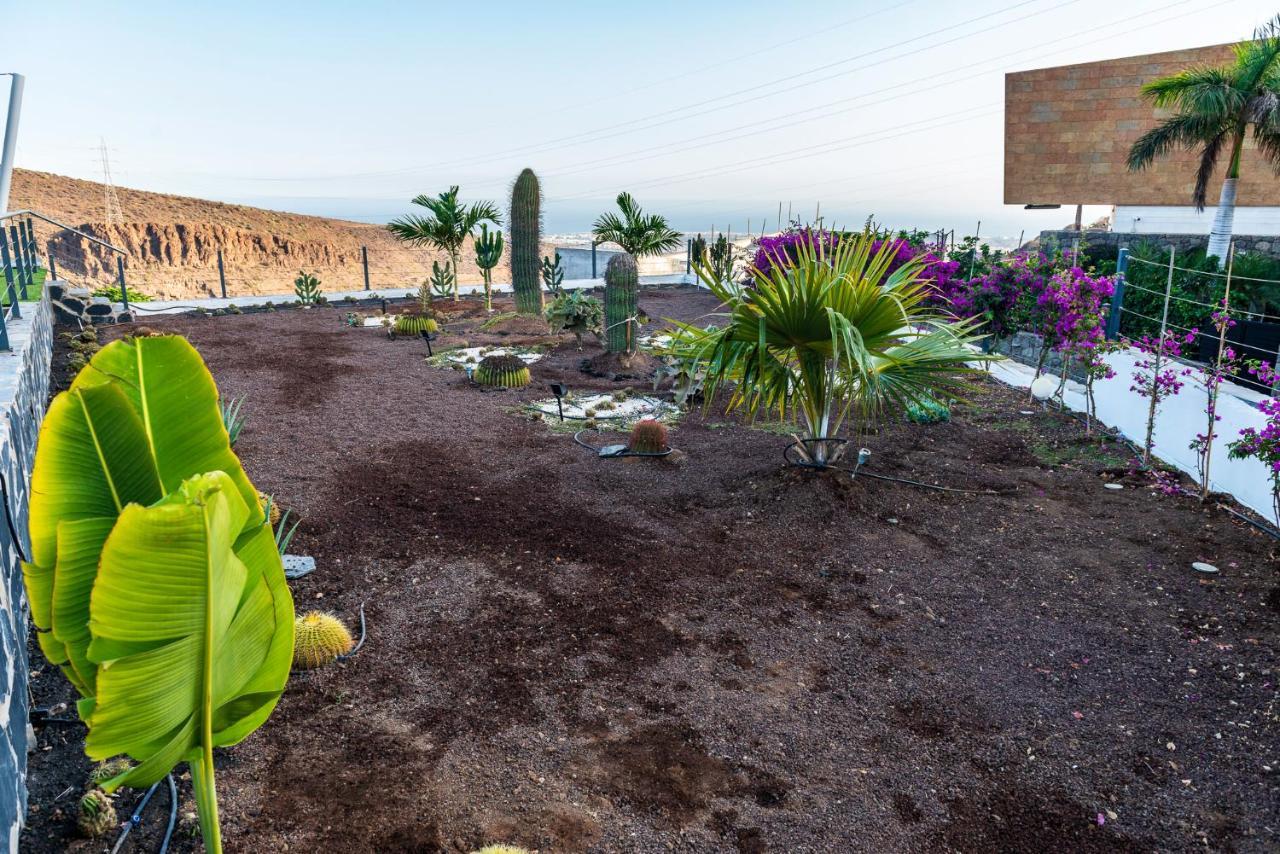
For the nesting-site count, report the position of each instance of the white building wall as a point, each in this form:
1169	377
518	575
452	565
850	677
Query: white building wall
1168	219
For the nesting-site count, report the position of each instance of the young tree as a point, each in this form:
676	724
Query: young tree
1214	110
447	227
637	234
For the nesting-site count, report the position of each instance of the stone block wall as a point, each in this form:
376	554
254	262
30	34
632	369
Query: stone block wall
1108	243
24	392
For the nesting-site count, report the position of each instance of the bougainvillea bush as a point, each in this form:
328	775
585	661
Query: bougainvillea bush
1263	445
1156	376
1006	297
784	250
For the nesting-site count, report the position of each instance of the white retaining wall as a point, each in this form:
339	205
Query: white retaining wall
1178	421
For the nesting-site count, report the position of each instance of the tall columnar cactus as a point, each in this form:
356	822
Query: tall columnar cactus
620	323
488	254
526	234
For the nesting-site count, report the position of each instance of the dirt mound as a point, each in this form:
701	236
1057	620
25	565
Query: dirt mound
617	366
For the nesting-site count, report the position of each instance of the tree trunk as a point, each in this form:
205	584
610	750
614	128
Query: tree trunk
1223	219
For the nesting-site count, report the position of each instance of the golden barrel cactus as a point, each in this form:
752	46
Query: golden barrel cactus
319	638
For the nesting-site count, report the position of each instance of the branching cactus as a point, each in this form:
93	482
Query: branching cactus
553	275
620	321
504	371
442	278
488	254
526	234
307	288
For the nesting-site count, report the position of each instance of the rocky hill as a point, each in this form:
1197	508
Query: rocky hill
172	243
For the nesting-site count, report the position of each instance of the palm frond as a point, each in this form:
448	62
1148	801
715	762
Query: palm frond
1182	131
635	232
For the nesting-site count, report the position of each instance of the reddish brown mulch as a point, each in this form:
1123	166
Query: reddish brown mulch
726	655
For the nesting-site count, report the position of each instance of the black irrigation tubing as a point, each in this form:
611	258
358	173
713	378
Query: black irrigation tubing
136	818
626	453
859	472
360	643
1264	528
8	518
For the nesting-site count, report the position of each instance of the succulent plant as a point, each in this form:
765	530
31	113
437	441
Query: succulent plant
76	361
606	406
575	312
273	509
415	324
307	289
318	639
697	249
553	274
526	234
928	410
442	278
621	395
648	437
96	814
104	771
488	253
620	283
504	371
501	849
233	420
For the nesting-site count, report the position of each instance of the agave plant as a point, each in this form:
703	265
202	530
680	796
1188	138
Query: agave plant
827	334
447	227
154	579
233	420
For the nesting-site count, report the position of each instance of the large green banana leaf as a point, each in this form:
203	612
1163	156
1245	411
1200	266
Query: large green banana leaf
138	421
192	631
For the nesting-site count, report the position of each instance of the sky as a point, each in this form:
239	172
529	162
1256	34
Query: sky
714	114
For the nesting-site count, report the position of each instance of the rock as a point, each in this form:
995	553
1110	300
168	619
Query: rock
73	304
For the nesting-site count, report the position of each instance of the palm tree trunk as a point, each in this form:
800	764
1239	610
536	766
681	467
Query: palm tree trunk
457	273
1224	217
1223	220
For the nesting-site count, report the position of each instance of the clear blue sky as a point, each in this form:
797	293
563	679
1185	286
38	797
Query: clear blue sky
710	112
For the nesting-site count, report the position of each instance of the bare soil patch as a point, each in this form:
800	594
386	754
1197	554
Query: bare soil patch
728	655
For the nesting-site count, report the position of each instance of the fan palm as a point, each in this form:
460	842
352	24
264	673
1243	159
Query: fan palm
635	232
1215	108
447	227
828	332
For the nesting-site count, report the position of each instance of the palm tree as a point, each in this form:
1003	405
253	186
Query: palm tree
636	233
448	226
1214	110
825	333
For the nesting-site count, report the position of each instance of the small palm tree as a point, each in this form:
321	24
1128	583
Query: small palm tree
826	333
1214	110
448	226
637	234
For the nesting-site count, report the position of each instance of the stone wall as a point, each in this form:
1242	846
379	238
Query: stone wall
1107	243
24	392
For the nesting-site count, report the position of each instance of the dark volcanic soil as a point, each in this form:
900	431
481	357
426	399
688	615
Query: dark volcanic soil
720	653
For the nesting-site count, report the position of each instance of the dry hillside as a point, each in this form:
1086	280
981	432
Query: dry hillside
172	243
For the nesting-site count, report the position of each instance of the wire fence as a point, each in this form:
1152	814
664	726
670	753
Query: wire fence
1232	333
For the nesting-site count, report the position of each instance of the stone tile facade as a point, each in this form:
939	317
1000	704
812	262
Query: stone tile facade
1068	131
24	391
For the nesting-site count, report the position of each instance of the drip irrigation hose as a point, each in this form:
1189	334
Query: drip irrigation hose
856	471
8	518
1266	529
623	453
359	643
173	814
136	818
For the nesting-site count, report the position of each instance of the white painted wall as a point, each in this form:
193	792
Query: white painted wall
1152	219
1179	420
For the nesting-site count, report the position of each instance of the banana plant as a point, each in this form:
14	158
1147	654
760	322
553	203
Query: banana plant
488	254
154	579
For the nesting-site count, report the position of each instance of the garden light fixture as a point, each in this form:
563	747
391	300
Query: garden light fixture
559	390
426	336
1043	387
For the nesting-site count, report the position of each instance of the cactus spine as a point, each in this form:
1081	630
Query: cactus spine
648	437
620	324
526	234
319	638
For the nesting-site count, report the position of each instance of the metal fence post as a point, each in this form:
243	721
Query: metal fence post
1117	296
593	259
10	289
364	262
19	255
222	274
19	275
27	228
53	267
124	289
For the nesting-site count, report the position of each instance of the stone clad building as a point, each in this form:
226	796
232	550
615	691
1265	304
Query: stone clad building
1068	131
